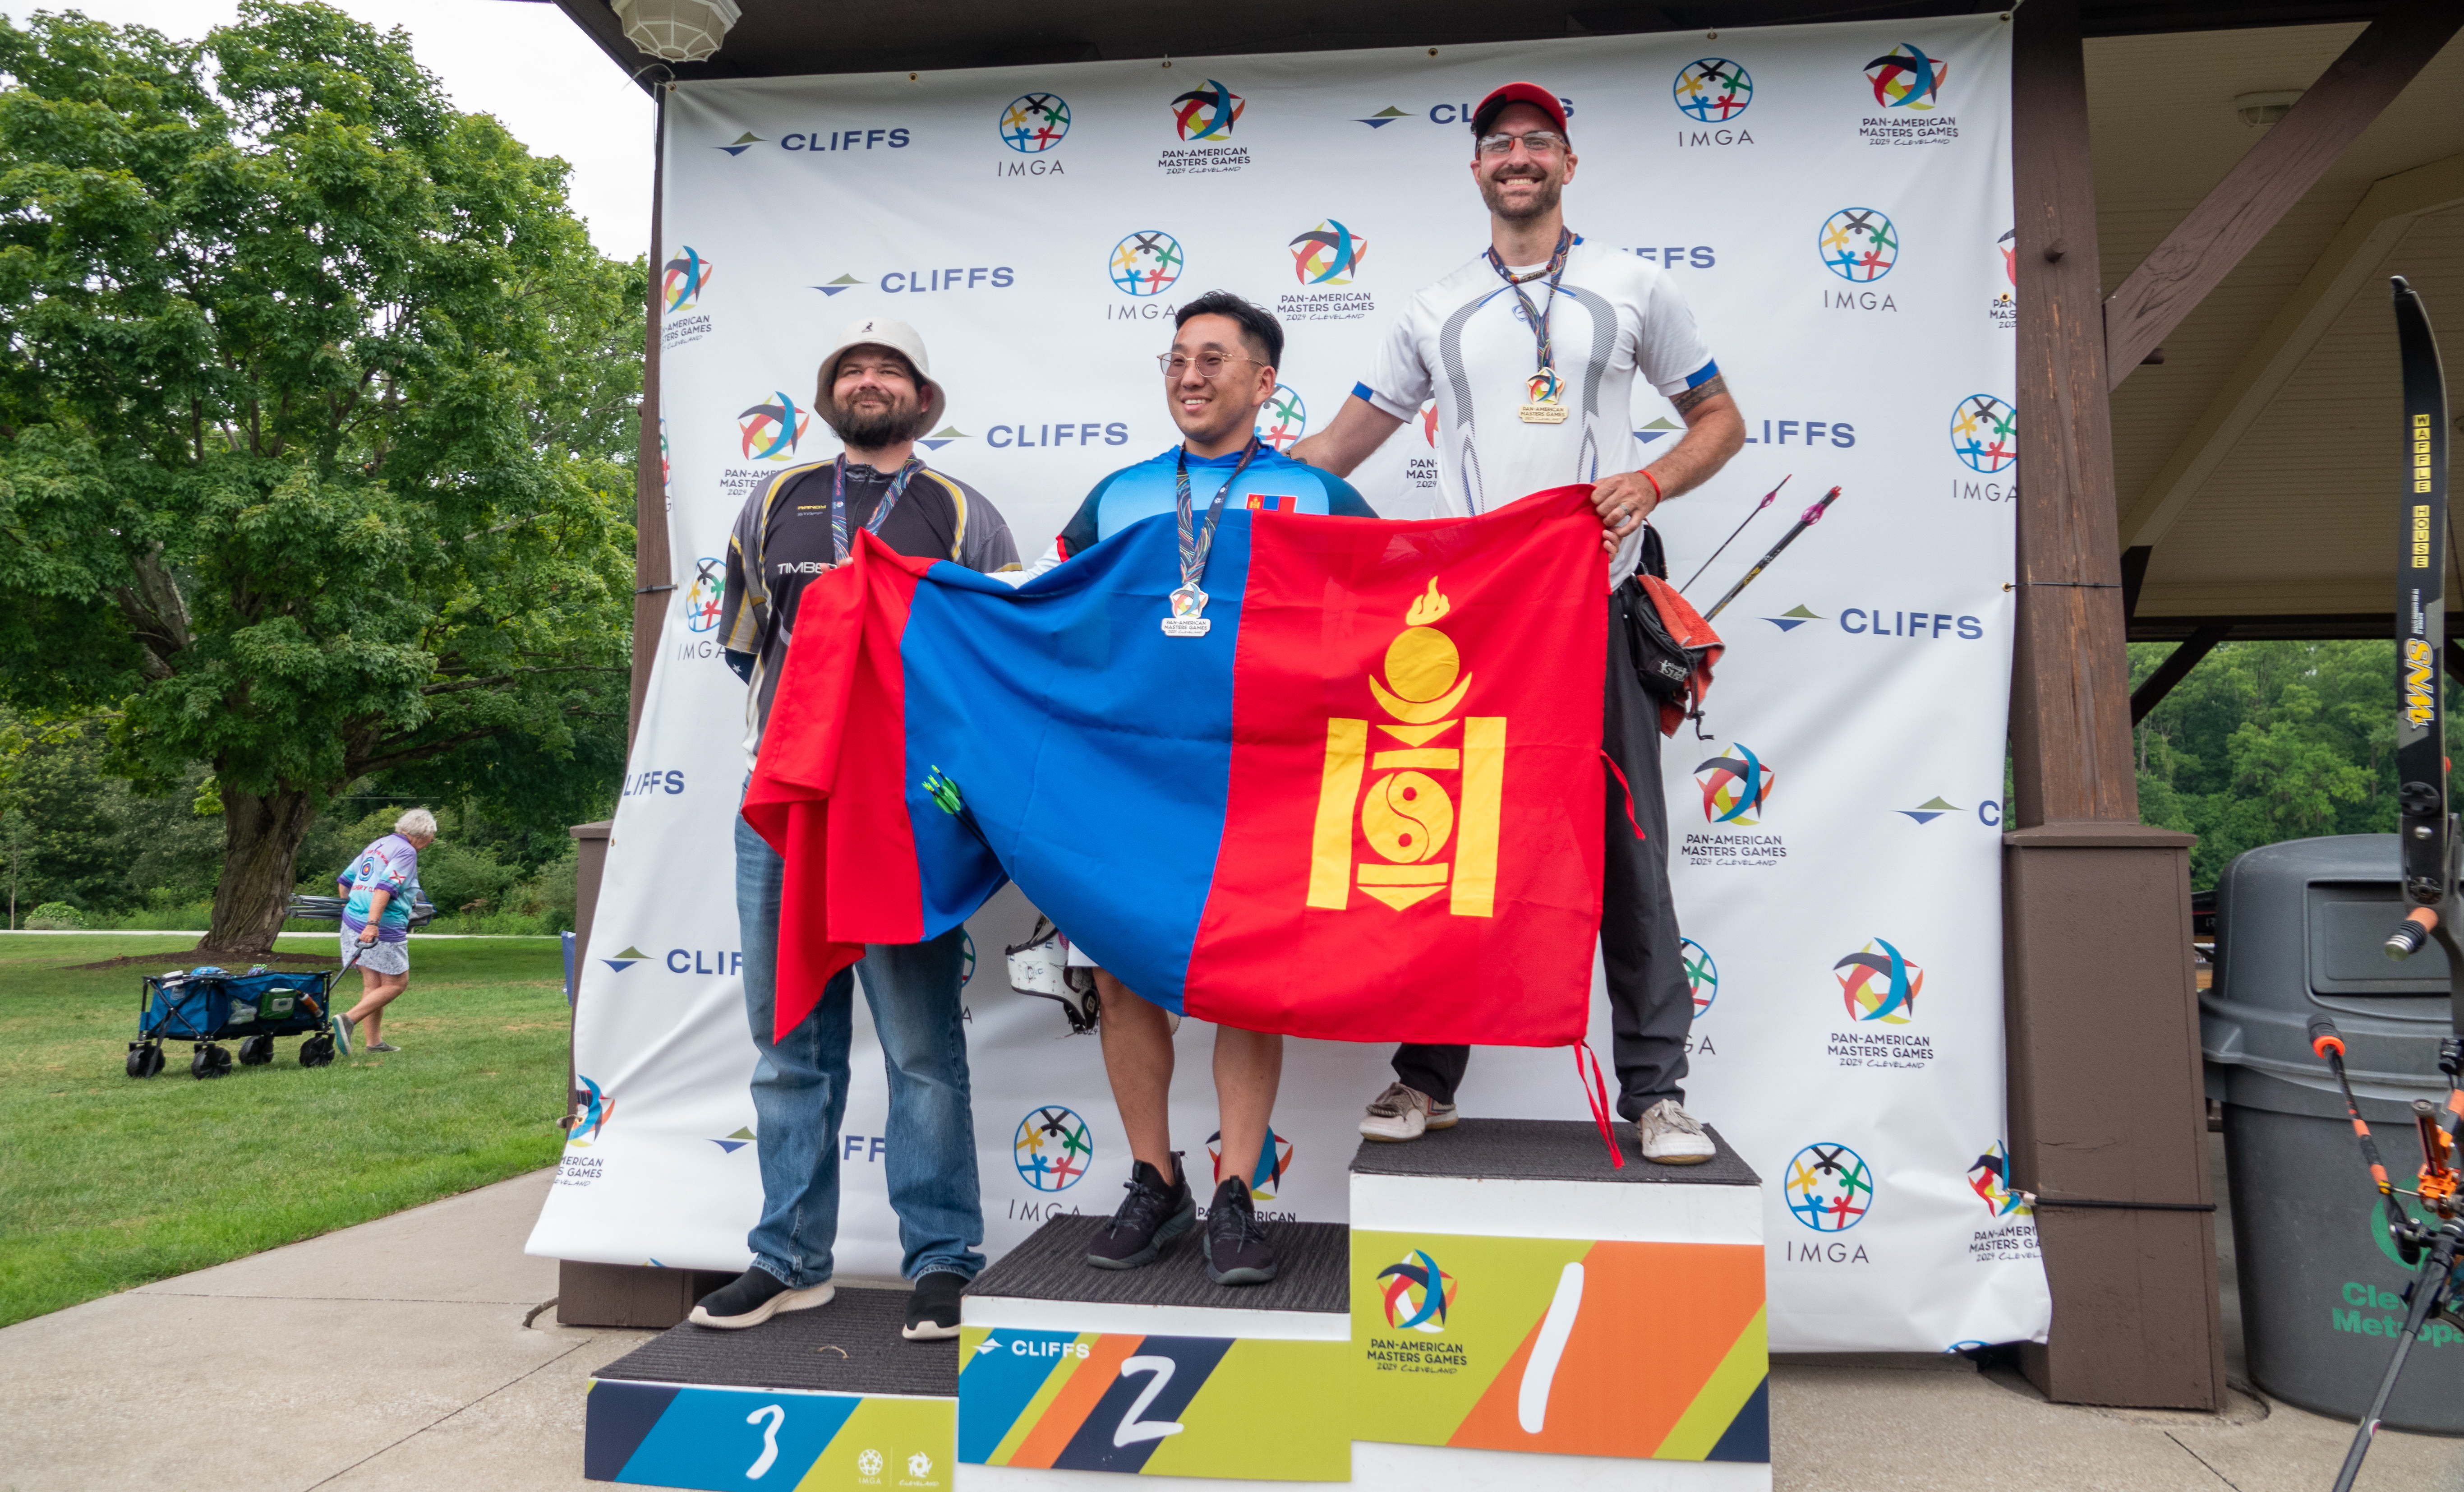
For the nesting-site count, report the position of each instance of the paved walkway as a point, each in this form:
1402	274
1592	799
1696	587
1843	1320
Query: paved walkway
412	1353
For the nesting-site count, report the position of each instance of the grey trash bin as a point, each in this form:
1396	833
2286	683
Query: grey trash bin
2299	934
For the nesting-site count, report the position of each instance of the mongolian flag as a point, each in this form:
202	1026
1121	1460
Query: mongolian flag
1365	804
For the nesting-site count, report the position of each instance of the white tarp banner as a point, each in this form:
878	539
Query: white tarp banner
1833	203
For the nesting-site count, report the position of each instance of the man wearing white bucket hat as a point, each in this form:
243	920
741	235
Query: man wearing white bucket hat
875	388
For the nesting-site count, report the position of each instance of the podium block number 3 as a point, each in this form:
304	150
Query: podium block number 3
1540	1369
1132	1428
776	1416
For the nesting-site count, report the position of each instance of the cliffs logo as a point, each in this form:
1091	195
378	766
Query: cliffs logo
687	274
770	430
1034	123
1053	1148
1830	1190
597	1108
1859	245
1383	118
1146	263
743	142
1735	785
625	959
1417	1293
1283	418
843	283
1879	986
1328	255
1905	78
702	596
1985	432
1702	975
736	1142
1793	617
1990	1178
1712	90
1207	113
1274	1159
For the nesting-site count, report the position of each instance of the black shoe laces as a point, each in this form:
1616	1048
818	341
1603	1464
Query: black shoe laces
1235	1226
1142	1210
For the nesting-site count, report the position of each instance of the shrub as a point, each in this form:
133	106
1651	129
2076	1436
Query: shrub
55	916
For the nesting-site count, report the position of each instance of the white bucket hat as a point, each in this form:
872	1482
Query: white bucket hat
880	332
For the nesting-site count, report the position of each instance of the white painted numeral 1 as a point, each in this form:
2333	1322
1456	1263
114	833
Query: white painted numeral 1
1540	1371
1133	1428
776	1416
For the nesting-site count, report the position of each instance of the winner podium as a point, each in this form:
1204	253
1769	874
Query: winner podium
1504	1306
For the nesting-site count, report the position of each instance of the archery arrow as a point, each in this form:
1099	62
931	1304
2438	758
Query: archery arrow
1733	534
1806	519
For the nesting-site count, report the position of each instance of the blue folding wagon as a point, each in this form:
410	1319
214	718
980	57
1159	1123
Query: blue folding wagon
208	1006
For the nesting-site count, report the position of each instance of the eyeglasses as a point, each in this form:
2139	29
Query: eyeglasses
1210	365
1538	142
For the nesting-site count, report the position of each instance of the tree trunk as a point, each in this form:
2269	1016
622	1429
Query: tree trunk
261	833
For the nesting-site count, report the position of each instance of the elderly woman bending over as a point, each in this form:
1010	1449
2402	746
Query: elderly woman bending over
381	885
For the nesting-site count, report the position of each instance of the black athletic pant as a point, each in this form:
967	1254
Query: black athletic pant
1649	1003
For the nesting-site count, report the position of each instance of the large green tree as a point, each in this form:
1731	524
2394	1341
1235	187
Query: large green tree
314	410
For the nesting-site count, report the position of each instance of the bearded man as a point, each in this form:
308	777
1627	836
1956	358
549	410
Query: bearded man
1531	351
876	390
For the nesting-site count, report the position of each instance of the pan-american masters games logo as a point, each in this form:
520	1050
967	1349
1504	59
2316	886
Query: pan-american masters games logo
1878	985
1326	259
1053	1148
1274	1160
2011	1233
680	288
1907	89
1417	1294
1204	117
1735	785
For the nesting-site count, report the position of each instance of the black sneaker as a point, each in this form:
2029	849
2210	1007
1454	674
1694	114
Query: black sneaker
754	1297
932	1310
1237	1250
1151	1216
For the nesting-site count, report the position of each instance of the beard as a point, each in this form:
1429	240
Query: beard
1542	203
872	429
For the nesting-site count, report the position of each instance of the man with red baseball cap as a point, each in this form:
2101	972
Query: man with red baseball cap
1531	351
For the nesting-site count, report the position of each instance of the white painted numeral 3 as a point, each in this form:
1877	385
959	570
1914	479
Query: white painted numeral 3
776	1416
1132	1428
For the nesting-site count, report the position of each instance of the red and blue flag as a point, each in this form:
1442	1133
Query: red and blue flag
1365	806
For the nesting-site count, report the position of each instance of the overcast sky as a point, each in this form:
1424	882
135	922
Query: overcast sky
525	63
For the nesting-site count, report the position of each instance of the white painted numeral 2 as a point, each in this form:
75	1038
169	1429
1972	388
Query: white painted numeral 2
1132	1428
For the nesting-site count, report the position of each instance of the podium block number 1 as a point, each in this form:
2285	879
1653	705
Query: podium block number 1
1540	1371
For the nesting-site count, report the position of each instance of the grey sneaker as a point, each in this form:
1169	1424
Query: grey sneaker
379	1046
343	1029
1674	1137
1405	1113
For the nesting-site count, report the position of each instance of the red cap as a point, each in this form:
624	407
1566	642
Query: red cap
1532	94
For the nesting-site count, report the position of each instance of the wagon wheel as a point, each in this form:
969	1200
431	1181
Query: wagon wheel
316	1050
205	1061
256	1051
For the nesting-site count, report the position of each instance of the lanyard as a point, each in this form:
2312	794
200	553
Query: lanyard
1195	544
1538	316
839	536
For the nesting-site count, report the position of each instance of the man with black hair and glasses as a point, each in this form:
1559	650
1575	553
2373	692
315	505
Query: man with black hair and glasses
1531	351
1219	374
876	390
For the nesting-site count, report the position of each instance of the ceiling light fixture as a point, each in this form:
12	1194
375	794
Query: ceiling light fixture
676	30
2265	107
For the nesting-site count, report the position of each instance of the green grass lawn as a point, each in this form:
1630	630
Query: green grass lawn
107	1182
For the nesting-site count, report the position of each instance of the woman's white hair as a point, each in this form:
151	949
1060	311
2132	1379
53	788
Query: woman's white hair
416	823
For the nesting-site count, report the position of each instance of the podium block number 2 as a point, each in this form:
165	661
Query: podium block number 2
777	1416
1132	1428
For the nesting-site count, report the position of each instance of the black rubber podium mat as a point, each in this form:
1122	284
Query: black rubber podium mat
1051	1265
849	1345
1543	1149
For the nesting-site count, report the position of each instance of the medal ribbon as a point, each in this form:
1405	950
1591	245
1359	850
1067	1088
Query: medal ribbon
1196	544
1538	316
840	534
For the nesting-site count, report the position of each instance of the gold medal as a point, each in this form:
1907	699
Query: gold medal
1544	408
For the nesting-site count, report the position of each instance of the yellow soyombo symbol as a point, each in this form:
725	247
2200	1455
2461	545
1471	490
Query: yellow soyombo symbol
1406	815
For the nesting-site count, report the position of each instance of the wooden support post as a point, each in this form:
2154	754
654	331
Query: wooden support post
2105	1101
654	575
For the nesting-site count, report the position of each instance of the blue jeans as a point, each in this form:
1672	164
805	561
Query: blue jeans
800	1094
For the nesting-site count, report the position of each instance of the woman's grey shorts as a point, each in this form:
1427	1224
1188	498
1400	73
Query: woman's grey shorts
379	957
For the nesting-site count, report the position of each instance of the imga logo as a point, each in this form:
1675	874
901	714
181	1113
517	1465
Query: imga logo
1146	263
1328	255
1207	113
702	595
1712	90
1859	245
1879	986
1702	975
1829	1187
770	430
1985	432
1905	78
1034	123
681	285
1053	1148
1417	1294
1283	418
1735	785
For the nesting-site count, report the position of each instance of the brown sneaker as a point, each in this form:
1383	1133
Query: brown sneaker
1405	1113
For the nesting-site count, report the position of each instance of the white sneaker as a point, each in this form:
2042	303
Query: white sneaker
1401	1113
1674	1137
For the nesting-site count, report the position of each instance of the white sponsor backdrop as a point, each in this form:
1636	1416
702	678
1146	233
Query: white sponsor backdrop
1867	672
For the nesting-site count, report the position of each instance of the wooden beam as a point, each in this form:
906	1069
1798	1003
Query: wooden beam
2275	174
2348	263
2175	668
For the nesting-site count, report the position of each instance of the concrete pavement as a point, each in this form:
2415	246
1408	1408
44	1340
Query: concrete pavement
410	1352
